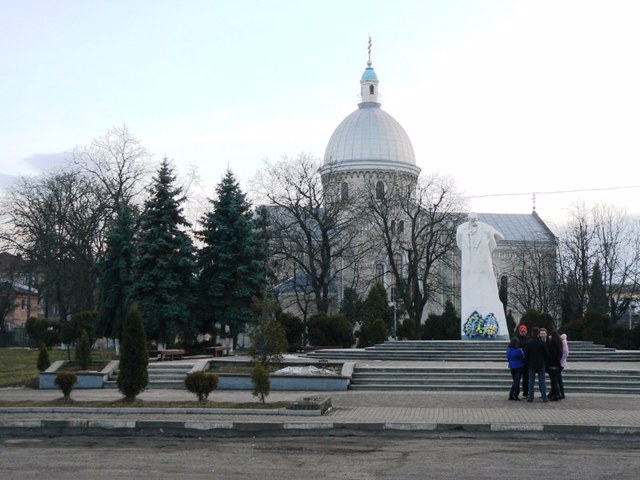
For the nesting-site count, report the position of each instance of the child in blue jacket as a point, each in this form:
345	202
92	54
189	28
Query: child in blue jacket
515	356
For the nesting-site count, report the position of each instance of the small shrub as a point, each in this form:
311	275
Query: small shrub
294	329
330	330
83	350
268	341
65	382
372	333
201	384
261	379
43	358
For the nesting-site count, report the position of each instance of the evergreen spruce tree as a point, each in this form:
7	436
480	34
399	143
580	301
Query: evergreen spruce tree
376	305
570	303
598	300
134	359
231	263
164	269
116	275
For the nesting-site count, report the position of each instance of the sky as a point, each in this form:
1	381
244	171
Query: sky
507	97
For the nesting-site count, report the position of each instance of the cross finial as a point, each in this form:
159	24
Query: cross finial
369	50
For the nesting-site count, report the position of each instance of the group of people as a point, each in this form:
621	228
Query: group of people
534	354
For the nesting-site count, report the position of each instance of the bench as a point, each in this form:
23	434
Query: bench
170	354
218	350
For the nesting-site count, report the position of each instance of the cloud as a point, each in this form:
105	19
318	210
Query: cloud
46	161
7	180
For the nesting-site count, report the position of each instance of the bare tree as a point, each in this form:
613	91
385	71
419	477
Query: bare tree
619	257
532	274
58	222
118	163
577	254
608	236
416	226
313	236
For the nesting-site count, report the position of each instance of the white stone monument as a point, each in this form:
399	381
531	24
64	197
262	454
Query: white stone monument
482	312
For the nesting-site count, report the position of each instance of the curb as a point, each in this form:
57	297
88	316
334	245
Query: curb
161	428
149	410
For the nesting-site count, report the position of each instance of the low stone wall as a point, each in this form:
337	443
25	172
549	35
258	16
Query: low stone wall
311	383
86	379
286	382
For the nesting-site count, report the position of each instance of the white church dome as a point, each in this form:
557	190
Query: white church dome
369	138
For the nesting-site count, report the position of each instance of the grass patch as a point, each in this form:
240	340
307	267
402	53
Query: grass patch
18	365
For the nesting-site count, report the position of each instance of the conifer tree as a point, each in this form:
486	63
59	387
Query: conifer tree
231	264
376	305
598	300
164	268
134	359
83	350
43	358
116	275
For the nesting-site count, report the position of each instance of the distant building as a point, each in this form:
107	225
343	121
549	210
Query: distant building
18	301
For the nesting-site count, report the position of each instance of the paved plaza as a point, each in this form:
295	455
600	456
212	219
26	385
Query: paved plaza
352	411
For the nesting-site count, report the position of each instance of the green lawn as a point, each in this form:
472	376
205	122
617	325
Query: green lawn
18	365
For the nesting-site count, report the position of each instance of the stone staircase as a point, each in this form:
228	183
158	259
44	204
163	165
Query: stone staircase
498	378
161	375
479	366
455	350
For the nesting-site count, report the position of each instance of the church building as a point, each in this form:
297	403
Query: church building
369	156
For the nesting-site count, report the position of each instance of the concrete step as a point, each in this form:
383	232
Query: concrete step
569	389
409	378
455	350
161	375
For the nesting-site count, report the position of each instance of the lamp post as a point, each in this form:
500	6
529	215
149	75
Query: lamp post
395	328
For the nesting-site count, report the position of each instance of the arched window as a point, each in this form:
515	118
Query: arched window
379	270
401	226
393	227
371	89
344	191
380	190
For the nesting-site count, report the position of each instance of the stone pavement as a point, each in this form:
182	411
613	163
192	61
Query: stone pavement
353	413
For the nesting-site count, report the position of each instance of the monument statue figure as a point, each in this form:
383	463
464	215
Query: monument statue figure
482	312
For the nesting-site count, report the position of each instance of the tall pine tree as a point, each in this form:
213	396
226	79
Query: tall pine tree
231	263
598	299
164	271
116	275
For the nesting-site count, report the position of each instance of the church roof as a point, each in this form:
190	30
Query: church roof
517	227
370	138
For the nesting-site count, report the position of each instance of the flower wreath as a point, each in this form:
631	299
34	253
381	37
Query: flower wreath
479	326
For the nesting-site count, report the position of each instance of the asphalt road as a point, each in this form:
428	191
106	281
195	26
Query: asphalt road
456	456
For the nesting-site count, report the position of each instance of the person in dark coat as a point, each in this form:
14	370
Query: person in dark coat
515	357
554	345
535	354
522	341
